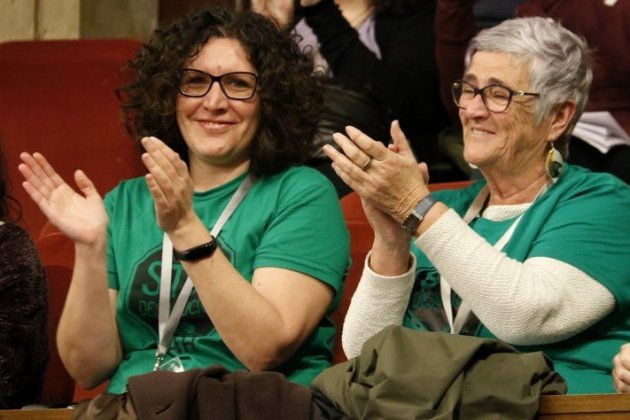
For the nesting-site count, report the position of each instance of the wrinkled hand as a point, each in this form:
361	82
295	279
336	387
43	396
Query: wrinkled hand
621	370
281	11
170	185
393	182
82	218
385	228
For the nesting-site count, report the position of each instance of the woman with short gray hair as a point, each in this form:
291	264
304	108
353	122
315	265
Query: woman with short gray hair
524	255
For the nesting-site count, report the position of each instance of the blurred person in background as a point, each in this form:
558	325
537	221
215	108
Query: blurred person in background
378	57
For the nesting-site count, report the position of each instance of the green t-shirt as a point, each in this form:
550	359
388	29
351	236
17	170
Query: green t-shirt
582	220
290	220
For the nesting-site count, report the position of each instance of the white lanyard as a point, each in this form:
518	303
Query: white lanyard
167	323
445	288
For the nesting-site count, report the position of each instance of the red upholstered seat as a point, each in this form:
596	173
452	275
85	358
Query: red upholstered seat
57	253
58	98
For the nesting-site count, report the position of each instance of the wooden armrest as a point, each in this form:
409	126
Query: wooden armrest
585	406
37	414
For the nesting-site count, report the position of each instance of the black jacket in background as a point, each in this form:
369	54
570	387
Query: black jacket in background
404	82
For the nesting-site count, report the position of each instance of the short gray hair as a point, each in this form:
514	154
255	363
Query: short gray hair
558	60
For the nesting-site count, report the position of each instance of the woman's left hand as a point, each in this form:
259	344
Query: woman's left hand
389	179
170	185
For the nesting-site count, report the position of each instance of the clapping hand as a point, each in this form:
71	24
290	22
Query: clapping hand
80	216
384	177
389	178
170	185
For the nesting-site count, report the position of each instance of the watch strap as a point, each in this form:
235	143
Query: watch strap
198	252
418	214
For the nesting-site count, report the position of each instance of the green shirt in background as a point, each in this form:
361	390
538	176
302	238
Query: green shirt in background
290	220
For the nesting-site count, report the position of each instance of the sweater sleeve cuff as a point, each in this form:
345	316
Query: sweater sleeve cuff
401	280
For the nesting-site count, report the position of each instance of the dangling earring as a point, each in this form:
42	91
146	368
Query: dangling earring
554	164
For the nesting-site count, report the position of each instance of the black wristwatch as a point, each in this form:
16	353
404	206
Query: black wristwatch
198	252
419	212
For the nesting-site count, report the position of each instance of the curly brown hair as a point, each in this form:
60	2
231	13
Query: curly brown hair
290	96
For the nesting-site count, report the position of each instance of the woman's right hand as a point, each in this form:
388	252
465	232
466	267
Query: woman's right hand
385	228
621	370
281	11
81	217
391	243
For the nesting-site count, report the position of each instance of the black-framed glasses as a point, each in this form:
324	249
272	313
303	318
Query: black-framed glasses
495	97
239	85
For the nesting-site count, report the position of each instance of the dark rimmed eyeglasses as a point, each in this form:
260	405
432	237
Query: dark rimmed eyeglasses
495	97
238	85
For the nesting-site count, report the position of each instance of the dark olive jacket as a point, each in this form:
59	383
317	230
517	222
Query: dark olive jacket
409	374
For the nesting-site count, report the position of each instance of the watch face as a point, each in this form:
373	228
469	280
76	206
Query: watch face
411	223
417	214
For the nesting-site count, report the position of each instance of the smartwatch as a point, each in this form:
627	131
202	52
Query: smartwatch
198	252
418	214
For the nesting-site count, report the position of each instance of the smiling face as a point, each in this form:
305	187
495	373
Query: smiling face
507	142
219	131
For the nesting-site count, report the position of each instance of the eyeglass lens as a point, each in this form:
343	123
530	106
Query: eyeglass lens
495	97
236	85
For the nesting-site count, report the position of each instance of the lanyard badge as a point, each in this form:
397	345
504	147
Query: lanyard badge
168	320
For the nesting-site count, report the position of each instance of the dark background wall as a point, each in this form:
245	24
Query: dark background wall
172	9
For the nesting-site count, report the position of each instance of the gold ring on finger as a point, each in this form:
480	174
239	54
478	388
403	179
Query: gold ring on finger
366	164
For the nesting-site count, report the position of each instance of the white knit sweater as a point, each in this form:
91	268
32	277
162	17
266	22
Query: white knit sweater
538	301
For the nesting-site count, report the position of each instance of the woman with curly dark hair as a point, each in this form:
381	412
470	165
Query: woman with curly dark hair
225	108
23	308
